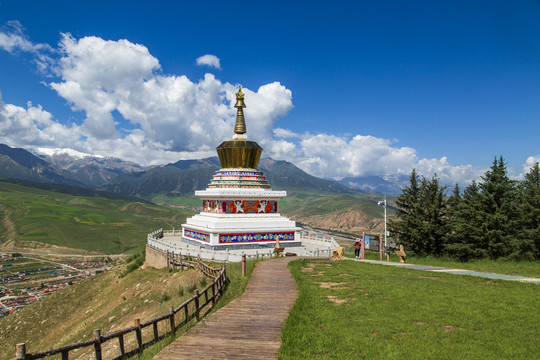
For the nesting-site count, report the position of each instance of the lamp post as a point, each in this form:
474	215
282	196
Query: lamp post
383	203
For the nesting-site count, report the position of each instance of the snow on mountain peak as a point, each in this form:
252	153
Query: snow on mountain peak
73	153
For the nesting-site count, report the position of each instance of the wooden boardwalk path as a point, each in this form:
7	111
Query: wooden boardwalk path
247	328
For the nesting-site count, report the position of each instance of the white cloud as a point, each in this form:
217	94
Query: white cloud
529	163
447	173
170	117
167	118
13	40
336	157
32	126
209	60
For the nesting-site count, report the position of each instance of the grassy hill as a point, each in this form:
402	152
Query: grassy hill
346	213
109	301
104	301
53	222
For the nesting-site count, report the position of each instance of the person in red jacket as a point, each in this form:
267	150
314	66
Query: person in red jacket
357	247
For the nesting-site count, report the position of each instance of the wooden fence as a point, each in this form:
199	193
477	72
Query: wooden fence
174	319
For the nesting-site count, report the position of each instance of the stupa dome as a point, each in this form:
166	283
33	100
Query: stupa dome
239	152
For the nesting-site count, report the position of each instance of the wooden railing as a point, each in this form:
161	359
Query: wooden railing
170	322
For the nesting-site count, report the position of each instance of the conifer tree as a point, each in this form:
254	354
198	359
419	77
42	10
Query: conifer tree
454	199
406	229
422	226
529	214
466	238
434	223
500	211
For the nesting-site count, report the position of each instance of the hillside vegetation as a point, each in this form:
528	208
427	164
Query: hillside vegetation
110	301
351	214
51	222
105	301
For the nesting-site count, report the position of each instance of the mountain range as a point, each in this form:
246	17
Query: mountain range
349	206
180	178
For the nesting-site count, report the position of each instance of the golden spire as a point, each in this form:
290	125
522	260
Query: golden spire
239	152
240	126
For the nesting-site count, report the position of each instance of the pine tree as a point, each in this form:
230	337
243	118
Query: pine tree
422	225
500	212
433	215
454	199
529	214
406	229
466	238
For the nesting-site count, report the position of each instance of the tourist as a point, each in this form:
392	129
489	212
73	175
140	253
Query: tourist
357	247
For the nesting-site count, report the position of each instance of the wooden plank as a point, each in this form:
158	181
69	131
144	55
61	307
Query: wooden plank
247	328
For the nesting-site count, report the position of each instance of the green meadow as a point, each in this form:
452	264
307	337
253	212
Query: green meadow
352	310
31	217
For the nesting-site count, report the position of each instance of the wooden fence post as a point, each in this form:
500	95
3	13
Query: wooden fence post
181	262
138	333
196	293
186	314
121	344
156	334
20	351
243	265
97	344
171	319
213	293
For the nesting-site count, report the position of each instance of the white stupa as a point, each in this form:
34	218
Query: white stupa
239	208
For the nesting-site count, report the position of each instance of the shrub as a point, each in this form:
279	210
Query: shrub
133	263
191	288
165	297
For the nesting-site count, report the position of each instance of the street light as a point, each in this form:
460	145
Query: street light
383	203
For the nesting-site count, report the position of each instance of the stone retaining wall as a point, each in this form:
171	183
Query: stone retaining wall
155	258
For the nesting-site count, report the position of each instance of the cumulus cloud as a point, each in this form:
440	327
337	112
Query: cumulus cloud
32	126
447	173
209	60
167	117
529	163
134	112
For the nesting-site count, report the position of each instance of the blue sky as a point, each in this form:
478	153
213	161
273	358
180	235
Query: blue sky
342	88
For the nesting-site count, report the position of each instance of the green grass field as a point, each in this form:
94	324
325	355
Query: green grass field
350	310
85	223
190	201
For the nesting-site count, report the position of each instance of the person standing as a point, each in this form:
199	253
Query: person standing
357	247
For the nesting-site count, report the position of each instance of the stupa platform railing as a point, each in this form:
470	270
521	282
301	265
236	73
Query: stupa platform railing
318	245
310	237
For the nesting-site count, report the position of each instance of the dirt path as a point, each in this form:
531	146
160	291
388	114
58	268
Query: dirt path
8	224
494	276
247	328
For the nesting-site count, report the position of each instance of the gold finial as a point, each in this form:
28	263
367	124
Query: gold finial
240	126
